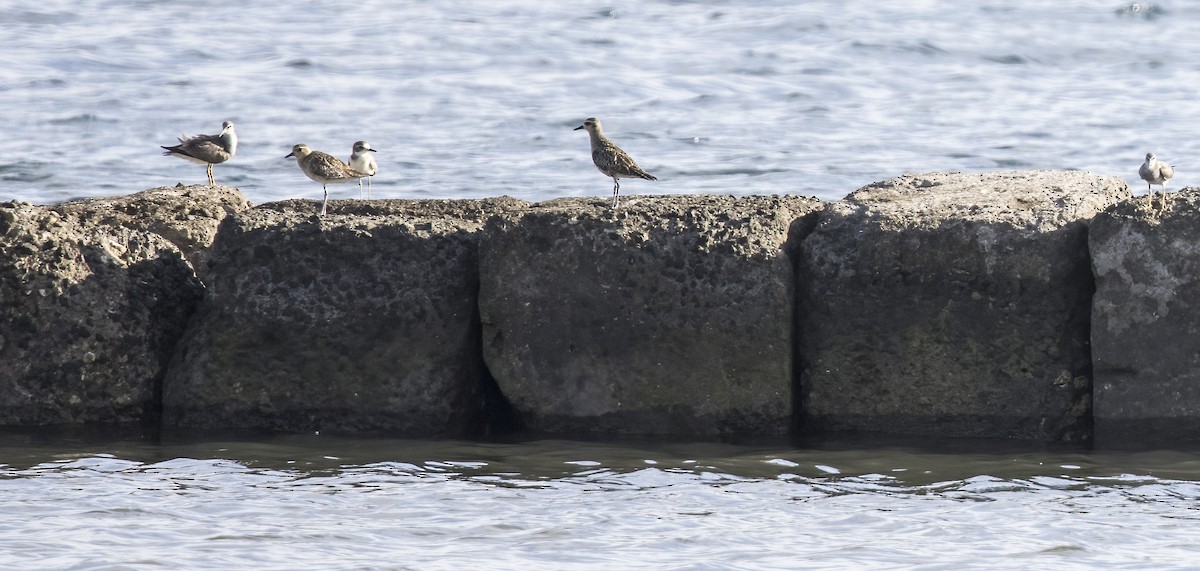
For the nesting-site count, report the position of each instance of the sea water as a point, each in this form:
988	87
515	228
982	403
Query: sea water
75	500
474	99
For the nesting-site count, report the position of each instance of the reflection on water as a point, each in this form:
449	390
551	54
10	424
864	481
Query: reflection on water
280	501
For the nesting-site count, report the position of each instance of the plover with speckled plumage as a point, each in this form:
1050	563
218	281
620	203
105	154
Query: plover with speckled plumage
207	149
1154	171
610	159
323	168
363	161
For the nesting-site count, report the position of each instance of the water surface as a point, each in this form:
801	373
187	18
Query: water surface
316	501
473	99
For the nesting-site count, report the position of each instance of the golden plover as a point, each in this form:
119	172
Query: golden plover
207	149
323	168
610	159
363	161
1154	172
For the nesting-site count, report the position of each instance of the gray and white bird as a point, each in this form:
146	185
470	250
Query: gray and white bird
1154	171
207	149
323	168
363	161
610	159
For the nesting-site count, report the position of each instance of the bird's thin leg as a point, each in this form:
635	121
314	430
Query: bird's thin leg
211	180
325	200
616	191
360	191
368	188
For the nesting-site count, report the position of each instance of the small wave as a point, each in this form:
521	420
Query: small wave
1011	59
41	83
736	172
922	47
926	48
39	18
605	13
1011	163
195	55
26	171
81	118
23	176
758	71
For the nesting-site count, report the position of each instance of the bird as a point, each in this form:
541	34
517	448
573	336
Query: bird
362	161
1154	171
207	149
323	168
610	159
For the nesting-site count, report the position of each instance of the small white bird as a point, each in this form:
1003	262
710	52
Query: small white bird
207	149
323	168
363	161
1154	172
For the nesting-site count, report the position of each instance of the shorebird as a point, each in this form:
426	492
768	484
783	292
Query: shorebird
363	161
207	149
323	168
1154	172
610	159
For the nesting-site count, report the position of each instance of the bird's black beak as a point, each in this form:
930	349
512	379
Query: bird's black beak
289	155
577	128
372	150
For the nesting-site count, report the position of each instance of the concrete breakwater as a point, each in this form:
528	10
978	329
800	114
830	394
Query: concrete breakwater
1037	305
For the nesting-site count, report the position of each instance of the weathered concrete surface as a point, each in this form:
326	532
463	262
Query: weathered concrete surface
364	320
952	304
92	301
1146	321
187	216
670	316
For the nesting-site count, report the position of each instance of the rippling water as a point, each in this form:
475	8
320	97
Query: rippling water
285	502
470	99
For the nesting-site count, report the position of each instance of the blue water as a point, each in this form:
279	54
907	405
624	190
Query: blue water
471	99
474	99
